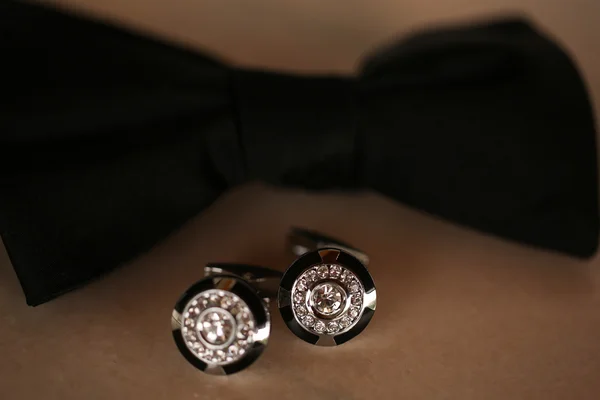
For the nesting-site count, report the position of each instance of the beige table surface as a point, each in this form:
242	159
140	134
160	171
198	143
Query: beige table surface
460	315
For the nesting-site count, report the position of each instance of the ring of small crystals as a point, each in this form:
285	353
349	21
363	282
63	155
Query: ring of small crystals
218	327
327	299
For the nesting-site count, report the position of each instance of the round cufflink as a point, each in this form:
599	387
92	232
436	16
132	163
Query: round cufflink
221	324
327	296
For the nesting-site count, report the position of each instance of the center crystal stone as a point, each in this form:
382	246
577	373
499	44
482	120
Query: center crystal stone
328	298
216	326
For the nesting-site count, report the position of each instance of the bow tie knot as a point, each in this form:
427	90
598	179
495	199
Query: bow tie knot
295	129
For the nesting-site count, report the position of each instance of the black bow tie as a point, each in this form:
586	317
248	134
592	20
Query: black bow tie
110	141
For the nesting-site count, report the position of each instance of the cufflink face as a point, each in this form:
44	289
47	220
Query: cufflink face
327	297
221	325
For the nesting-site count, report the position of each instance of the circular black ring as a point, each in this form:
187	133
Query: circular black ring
309	260
241	288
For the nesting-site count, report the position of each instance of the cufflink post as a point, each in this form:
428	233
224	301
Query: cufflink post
265	280
302	241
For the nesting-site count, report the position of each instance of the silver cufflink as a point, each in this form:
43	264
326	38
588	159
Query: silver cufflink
327	296
222	324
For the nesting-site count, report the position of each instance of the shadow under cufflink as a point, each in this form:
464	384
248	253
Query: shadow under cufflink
221	324
327	296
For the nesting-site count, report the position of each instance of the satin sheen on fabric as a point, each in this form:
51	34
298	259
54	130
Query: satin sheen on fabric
109	140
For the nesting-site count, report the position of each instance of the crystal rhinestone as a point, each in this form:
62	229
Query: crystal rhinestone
219	356
345	322
323	271
354	311
301	285
233	351
353	287
216	327
194	303
244	316
203	302
301	310
214	300
227	302
356	299
319	327
189	322
344	276
299	297
308	321
335	271
328	298
311	275
244	332
332	327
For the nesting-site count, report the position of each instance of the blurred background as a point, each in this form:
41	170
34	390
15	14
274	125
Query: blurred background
332	35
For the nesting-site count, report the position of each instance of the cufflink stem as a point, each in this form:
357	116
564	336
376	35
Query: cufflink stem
264	280
302	241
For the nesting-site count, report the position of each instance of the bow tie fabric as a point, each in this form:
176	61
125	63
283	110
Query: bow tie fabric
109	140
